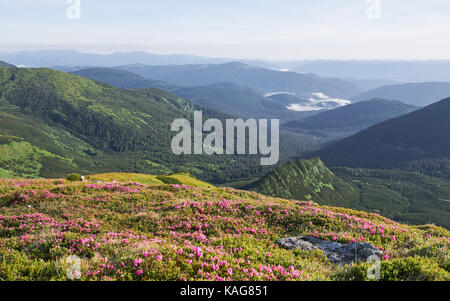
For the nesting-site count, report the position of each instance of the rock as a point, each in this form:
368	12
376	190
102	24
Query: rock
335	252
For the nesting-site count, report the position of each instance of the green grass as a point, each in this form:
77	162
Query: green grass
175	178
126	177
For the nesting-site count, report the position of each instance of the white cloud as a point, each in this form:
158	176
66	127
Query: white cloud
277	93
318	101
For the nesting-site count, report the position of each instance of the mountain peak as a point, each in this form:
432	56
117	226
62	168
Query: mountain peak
306	180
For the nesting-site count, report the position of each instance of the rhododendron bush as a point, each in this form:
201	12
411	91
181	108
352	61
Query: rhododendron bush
130	231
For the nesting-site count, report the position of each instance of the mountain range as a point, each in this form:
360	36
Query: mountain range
259	79
417	94
421	138
53	123
65	57
223	96
365	73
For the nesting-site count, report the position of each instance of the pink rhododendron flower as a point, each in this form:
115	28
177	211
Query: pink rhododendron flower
137	262
230	272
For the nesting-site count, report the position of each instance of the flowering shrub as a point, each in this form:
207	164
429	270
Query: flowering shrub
74	177
130	231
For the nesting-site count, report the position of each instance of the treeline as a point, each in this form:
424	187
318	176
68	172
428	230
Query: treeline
433	167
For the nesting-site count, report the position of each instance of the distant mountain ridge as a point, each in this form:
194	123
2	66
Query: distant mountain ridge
418	94
61	57
260	79
397	70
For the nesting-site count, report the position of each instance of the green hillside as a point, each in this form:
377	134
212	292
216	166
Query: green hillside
122	79
403	196
307	180
64	123
130	231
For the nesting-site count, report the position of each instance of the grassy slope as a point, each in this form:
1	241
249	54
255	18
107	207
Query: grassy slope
174	178
129	231
308	180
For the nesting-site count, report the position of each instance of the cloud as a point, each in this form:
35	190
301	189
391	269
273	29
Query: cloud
318	101
277	93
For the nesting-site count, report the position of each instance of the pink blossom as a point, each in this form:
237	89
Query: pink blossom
137	262
230	272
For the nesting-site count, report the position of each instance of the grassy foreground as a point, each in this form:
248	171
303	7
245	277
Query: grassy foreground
132	231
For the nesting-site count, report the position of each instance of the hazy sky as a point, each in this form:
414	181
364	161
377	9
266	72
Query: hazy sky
271	29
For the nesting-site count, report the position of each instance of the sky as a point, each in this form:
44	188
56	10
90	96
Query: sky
255	29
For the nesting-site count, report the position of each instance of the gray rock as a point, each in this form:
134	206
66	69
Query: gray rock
335	252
